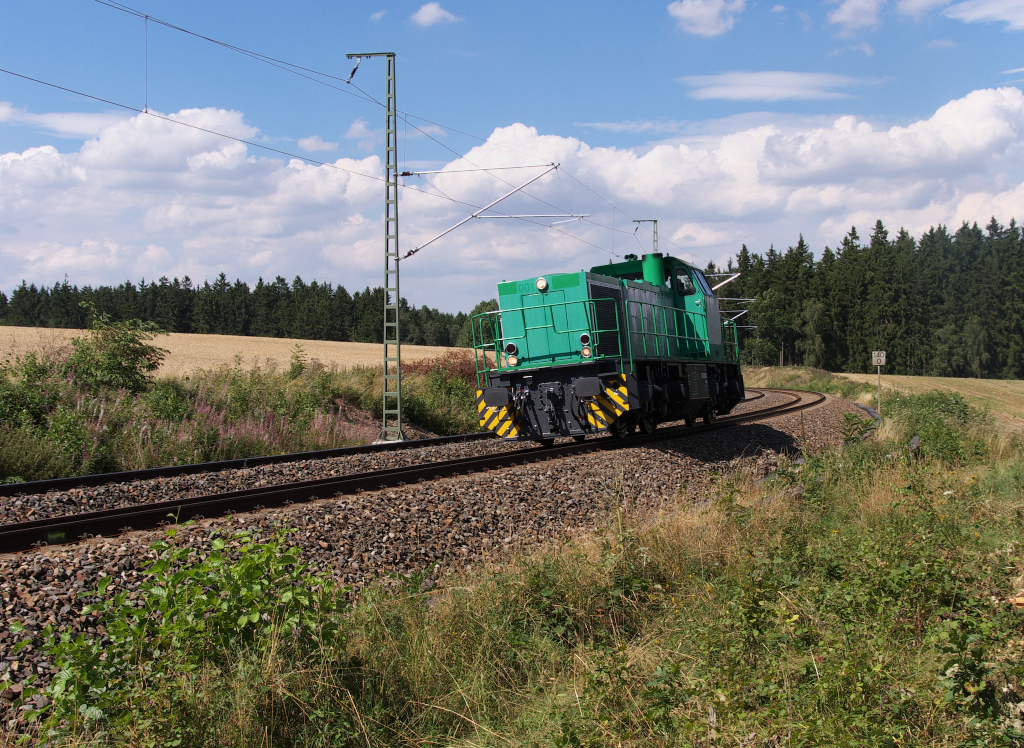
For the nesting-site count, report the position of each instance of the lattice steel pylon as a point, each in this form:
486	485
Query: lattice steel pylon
655	222
391	420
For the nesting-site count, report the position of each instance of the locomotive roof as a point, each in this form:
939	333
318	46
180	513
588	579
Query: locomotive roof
633	267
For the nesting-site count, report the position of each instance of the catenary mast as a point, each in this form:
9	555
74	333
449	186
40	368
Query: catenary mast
391	420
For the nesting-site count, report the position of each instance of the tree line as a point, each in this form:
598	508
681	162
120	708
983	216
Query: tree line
311	311
943	305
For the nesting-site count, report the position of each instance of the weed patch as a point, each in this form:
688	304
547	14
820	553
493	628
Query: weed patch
861	598
98	409
802	378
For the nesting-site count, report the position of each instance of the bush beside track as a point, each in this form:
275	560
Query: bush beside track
97	408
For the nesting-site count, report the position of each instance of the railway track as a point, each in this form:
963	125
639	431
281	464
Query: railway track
173	471
27	535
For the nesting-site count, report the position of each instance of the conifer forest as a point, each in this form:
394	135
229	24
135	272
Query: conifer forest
944	304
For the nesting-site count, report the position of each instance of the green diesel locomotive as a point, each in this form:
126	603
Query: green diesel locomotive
626	345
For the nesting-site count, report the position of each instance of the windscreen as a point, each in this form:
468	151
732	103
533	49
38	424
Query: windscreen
703	283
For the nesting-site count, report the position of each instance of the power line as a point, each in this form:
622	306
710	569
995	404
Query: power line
288	67
276	150
201	129
295	68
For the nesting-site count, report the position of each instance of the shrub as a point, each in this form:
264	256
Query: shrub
26	456
444	404
947	424
115	355
193	612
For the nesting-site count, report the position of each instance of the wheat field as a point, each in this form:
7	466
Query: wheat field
192	352
1002	397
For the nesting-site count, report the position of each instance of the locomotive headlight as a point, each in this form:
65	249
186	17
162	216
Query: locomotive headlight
511	349
513	361
585	339
542	284
586	351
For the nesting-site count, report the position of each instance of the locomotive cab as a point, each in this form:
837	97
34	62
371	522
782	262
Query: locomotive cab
625	345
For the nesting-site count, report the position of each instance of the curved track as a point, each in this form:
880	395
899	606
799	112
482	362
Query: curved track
23	536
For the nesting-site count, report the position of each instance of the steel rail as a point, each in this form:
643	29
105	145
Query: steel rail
24	536
171	471
31	488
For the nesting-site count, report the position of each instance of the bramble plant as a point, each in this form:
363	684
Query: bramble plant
192	611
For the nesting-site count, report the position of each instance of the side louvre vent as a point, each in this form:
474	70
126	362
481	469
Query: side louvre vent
606	301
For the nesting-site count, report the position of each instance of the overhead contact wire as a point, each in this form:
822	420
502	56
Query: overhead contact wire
294	69
272	61
214	132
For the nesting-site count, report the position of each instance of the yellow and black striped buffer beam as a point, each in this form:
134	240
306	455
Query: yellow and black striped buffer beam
607	407
503	421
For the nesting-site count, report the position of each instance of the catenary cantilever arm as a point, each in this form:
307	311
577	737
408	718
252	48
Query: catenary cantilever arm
471	216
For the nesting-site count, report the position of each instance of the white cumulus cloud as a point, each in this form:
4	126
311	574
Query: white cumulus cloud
315	143
918	8
1010	12
706	17
431	14
856	14
769	85
360	130
69	124
147	197
635	126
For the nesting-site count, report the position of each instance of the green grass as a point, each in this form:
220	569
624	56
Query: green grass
857	599
54	423
803	378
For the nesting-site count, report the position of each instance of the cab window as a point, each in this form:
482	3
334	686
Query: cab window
684	286
705	286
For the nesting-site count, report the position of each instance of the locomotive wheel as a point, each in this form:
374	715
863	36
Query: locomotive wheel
621	431
689	421
648	421
709	415
547	443
579	438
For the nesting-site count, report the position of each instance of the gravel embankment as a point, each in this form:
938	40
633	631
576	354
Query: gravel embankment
451	522
78	500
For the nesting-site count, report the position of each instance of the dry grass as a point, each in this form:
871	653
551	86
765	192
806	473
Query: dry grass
725	614
191	353
1003	398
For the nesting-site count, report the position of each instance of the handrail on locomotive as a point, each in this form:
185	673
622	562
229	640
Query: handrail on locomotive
696	346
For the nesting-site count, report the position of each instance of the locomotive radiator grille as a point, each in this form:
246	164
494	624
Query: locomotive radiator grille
503	421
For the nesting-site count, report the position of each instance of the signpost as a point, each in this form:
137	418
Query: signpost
878	359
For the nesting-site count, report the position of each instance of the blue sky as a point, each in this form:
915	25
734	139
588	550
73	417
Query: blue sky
729	121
